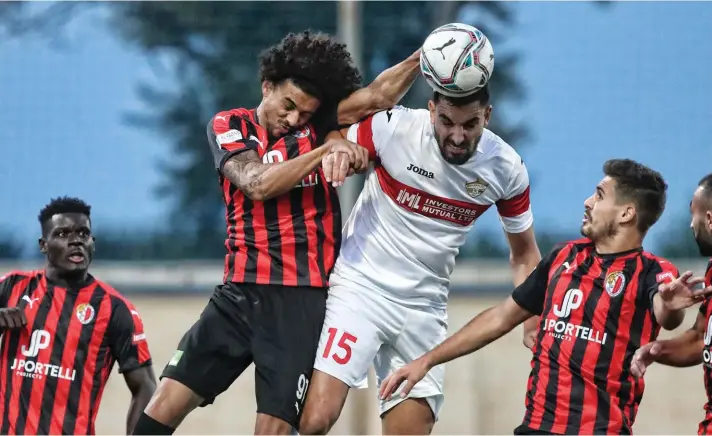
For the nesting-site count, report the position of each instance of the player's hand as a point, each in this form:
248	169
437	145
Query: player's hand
644	357
12	318
411	374
529	339
681	293
344	158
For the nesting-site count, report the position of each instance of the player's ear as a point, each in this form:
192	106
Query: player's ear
488	114
708	220
42	242
267	88
628	213
431	108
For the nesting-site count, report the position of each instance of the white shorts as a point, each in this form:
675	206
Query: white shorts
363	327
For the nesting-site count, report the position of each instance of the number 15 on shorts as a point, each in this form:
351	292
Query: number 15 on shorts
341	355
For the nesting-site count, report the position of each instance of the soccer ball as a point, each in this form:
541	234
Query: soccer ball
456	60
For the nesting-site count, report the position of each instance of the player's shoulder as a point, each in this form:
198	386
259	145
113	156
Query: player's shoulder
579	245
494	147
117	298
660	266
17	275
400	118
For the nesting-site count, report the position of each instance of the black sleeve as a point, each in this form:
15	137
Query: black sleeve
6	284
658	271
531	294
127	339
228	135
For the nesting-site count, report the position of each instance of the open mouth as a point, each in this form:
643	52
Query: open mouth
76	257
454	149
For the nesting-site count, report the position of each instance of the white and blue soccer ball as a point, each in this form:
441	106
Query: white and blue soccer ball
457	59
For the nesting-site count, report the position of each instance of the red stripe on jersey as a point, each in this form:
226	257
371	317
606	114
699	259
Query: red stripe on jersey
423	203
236	259
515	206
71	342
364	137
705	426
13	300
85	423
330	245
565	381
309	216
537	404
44	355
261	244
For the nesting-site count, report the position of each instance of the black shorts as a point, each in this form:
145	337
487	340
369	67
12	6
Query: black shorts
276	327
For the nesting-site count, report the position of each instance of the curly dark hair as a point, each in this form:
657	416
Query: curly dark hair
641	185
316	62
63	205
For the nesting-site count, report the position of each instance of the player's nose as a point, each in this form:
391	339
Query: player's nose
293	119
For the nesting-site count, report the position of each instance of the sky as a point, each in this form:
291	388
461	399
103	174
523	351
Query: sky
630	80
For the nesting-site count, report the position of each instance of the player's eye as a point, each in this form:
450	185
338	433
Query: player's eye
62	234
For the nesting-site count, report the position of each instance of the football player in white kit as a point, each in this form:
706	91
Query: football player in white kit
436	171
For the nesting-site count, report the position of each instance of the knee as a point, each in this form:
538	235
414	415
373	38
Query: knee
172	402
316	423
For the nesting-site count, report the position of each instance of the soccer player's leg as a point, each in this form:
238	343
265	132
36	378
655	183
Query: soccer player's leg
417	413
347	345
210	356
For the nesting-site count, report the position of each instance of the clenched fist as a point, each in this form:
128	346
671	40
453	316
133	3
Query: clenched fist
12	318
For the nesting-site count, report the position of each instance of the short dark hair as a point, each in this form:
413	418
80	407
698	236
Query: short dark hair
706	185
644	186
482	95
63	205
317	63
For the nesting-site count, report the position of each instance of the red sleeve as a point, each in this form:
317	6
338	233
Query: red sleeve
230	134
364	137
7	282
127	338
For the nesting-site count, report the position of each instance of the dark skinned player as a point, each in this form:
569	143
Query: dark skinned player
63	331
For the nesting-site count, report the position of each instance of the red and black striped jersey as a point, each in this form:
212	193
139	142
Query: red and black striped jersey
596	310
53	370
705	426
289	240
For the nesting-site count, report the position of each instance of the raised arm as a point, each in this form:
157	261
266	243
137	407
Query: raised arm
384	92
234	144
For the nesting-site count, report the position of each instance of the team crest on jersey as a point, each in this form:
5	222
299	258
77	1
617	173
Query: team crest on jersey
85	313
615	283
303	133
476	188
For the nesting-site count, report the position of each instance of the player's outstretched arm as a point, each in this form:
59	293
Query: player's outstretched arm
142	383
384	92
675	296
682	351
486	327
262	181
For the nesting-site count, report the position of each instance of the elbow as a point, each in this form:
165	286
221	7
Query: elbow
672	320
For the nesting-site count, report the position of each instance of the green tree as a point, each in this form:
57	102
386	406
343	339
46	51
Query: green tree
212	48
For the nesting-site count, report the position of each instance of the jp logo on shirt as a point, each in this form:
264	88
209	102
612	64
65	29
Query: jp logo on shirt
560	328
706	354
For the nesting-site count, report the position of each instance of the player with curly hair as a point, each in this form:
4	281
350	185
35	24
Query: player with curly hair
283	231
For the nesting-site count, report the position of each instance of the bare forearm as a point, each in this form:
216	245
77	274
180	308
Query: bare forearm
486	327
260	181
668	319
384	92
682	351
139	401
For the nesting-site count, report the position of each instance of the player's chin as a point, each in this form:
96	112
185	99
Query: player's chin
586	230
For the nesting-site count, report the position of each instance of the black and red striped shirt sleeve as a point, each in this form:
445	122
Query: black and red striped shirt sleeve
127	338
7	282
660	271
530	295
230	134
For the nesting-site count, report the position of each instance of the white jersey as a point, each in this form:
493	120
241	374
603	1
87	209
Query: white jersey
416	209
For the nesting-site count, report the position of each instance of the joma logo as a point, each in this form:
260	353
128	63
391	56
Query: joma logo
421	171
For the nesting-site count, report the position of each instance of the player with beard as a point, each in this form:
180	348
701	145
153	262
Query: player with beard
599	299
436	172
695	345
63	330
